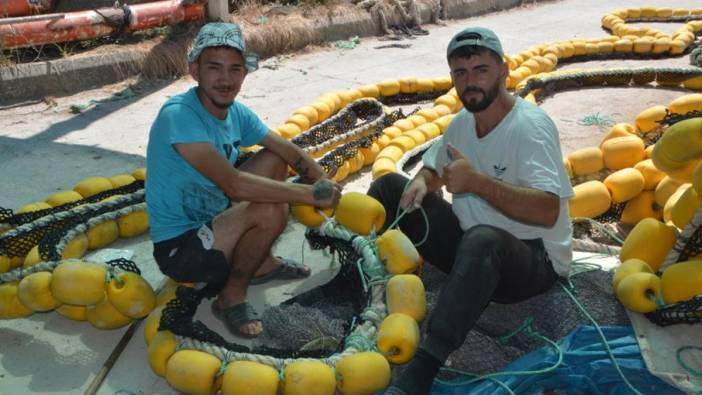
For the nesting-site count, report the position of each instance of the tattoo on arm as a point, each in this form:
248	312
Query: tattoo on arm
300	169
323	189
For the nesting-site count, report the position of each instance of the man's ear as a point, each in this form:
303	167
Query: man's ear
193	69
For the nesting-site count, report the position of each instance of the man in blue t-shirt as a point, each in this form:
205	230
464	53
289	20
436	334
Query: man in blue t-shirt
212	222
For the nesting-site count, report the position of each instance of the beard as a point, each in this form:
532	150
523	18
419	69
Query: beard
475	105
222	105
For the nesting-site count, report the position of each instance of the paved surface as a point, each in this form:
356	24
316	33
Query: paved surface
43	150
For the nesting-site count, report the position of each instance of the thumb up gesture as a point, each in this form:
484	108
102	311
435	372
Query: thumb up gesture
459	175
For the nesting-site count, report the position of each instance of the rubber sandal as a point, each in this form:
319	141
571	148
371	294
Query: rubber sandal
288	269
235	316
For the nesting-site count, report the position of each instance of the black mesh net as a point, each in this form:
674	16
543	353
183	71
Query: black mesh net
47	235
551	84
409	98
672	119
124	265
12	219
554	315
364	111
688	312
310	325
613	214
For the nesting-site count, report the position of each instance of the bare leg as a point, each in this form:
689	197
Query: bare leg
266	164
245	233
250	238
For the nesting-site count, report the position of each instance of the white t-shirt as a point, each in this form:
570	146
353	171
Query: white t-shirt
522	150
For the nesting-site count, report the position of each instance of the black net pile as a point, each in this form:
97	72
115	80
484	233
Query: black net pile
551	84
671	118
410	98
337	156
612	215
315	323
8	217
687	312
666	19
310	325
124	265
692	247
554	315
346	120
362	115
49	234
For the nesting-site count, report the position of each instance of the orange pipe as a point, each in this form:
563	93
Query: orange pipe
24	7
86	25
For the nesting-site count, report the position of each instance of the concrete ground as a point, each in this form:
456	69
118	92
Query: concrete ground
47	148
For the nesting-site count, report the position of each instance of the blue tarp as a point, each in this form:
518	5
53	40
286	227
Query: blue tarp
586	368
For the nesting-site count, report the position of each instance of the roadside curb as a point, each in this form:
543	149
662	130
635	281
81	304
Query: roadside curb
66	76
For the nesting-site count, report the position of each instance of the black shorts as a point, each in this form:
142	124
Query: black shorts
191	258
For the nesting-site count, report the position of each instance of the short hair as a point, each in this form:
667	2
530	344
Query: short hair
467	51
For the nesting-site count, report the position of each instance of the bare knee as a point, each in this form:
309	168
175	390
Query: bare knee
268	217
267	164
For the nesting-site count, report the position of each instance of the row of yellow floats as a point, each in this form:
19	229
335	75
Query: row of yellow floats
660	187
78	290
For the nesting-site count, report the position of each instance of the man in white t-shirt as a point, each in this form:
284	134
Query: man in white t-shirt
507	235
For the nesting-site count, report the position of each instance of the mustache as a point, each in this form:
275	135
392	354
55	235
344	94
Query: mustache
473	89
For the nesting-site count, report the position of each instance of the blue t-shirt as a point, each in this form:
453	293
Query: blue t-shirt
178	197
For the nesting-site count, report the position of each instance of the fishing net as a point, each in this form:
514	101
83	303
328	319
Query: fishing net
48	227
552	83
315	323
310	325
687	245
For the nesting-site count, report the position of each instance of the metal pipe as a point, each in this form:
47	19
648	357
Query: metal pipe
20	19
86	25
24	7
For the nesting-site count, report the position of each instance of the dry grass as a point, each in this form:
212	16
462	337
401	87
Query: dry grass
168	58
280	33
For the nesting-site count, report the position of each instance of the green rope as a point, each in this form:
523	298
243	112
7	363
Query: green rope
602	121
529	331
359	342
682	363
504	339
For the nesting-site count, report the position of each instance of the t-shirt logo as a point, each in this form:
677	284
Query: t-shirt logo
229	148
499	170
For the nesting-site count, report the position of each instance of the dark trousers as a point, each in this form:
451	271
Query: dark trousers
484	263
